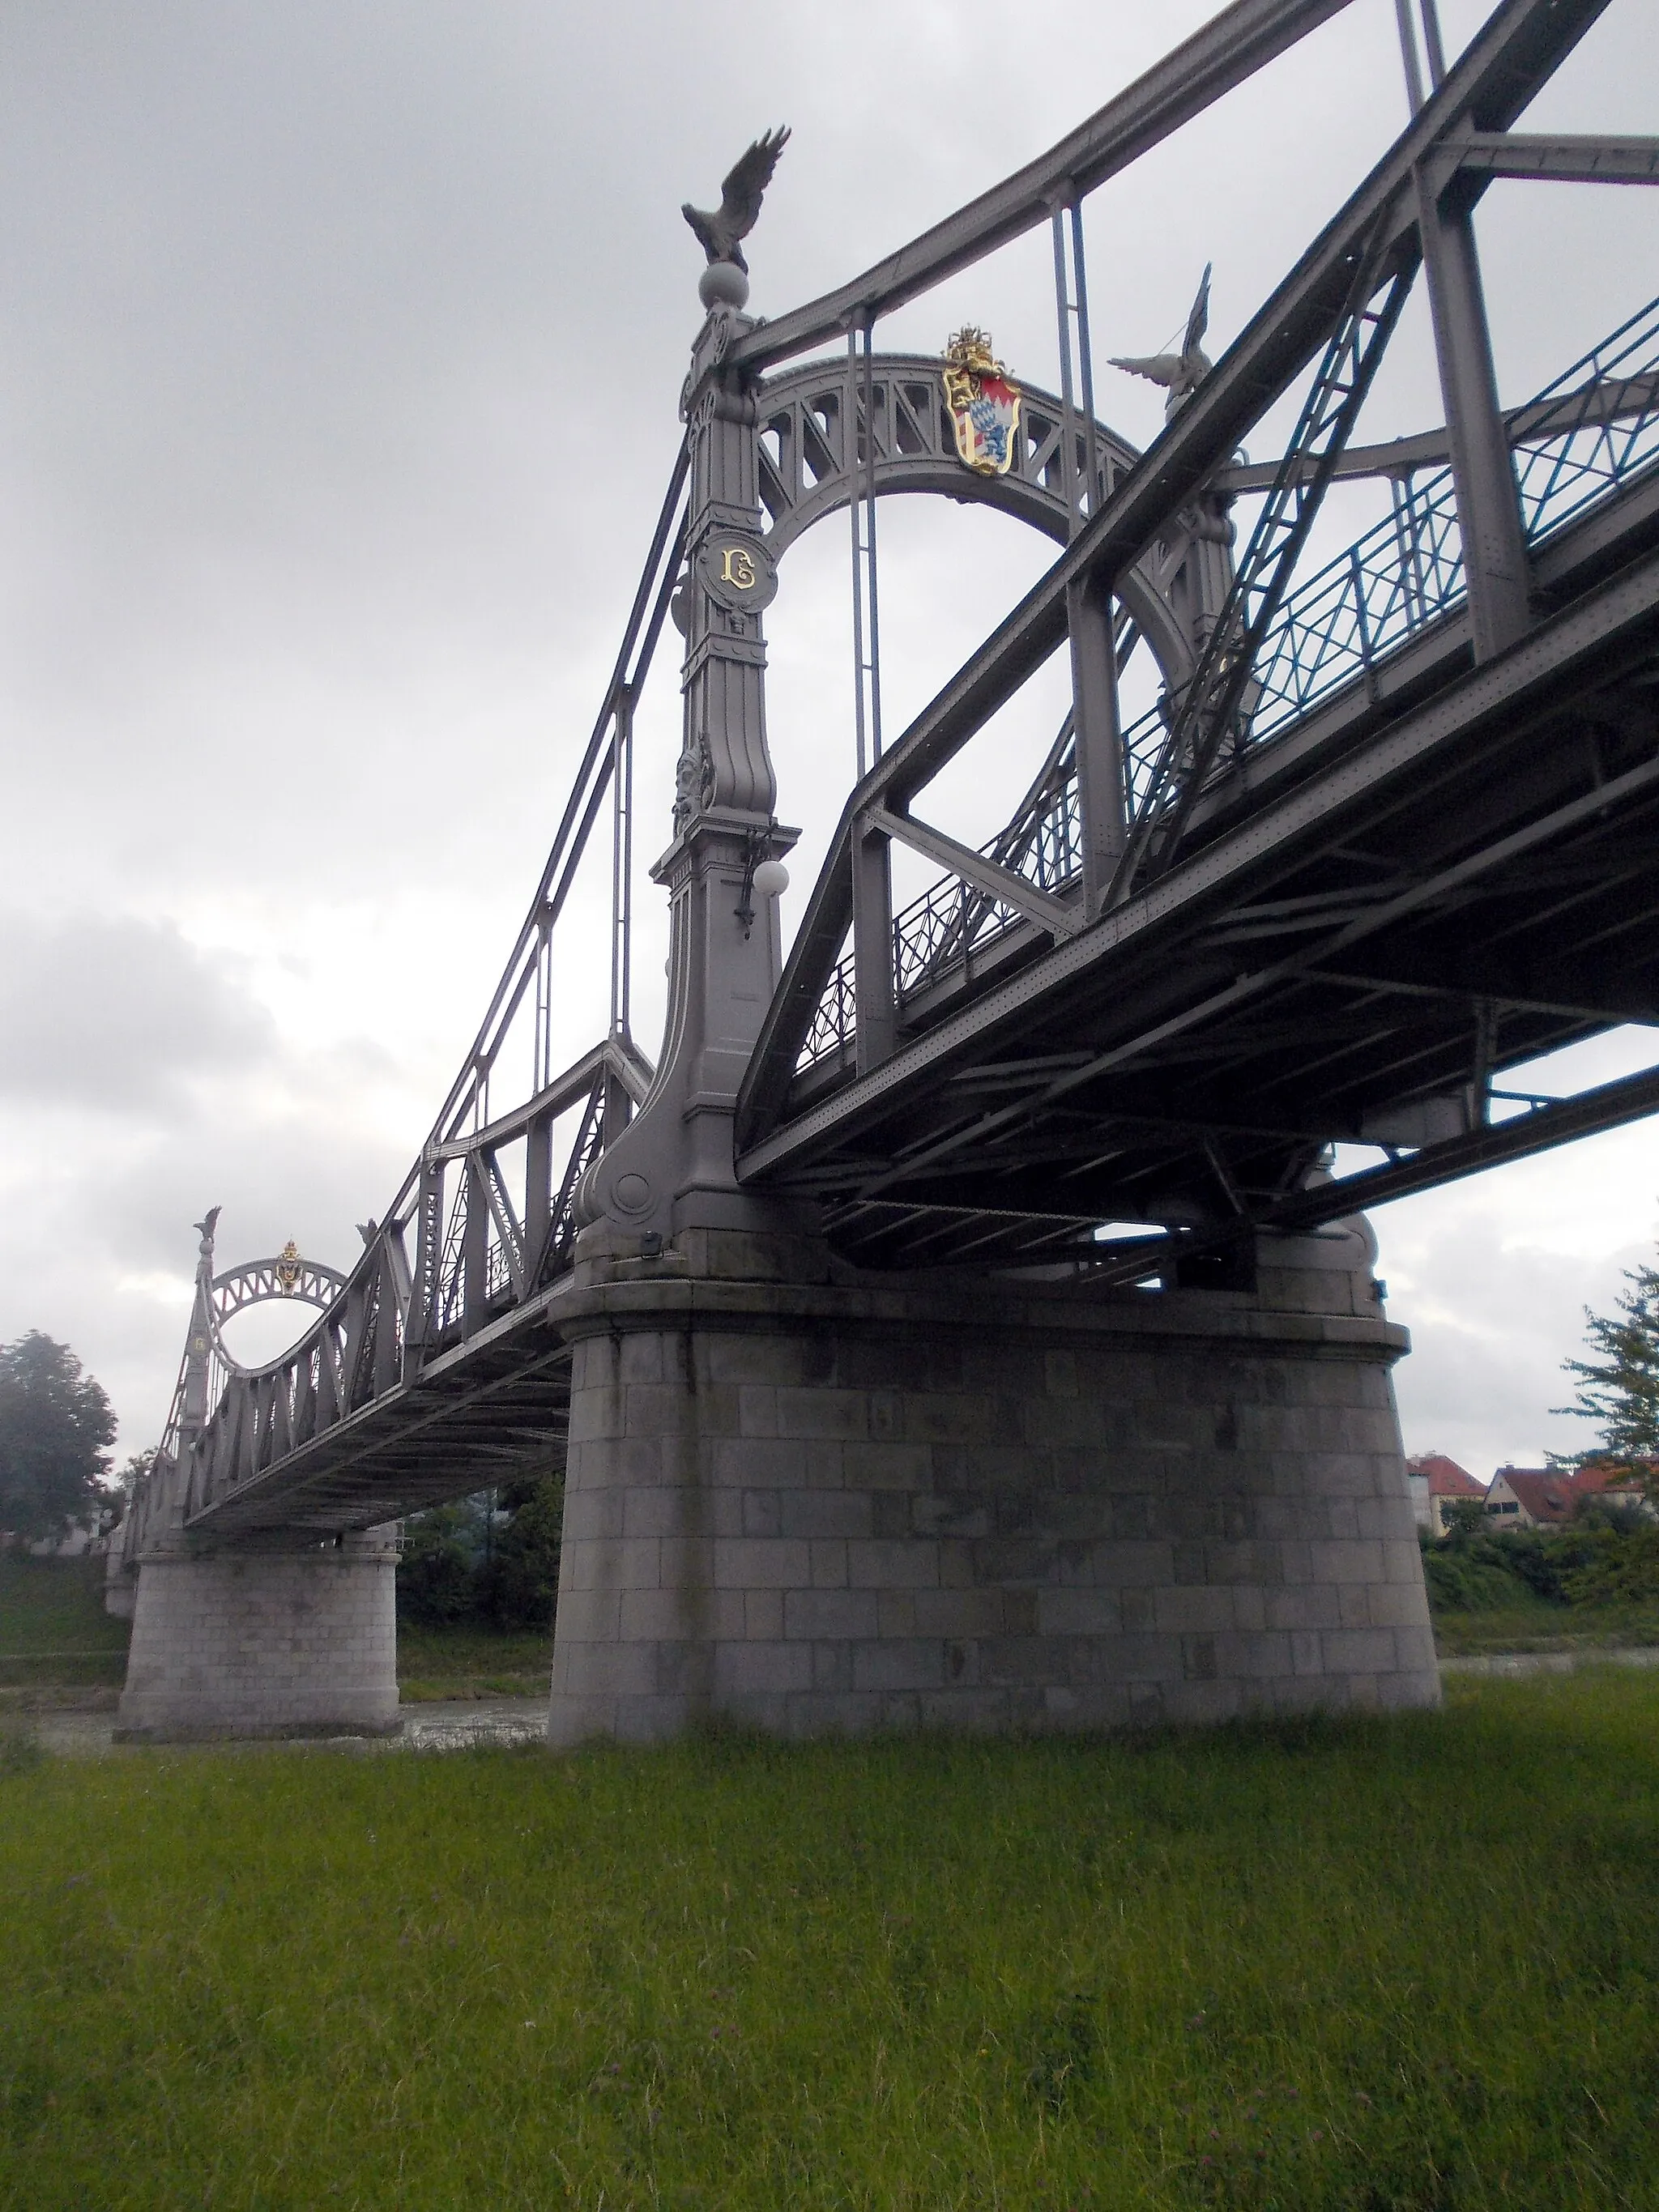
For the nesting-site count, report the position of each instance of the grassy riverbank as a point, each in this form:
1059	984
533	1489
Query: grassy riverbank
471	1662
1533	1625
55	1636
54	1632
1391	1966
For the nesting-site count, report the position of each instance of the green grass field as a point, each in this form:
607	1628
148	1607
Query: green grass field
1536	1625
467	1662
1381	1965
53	1627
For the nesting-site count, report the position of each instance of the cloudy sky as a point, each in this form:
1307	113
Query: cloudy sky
338	363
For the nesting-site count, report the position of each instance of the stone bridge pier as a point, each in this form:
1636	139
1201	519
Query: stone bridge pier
810	1503
285	1632
814	1499
280	1635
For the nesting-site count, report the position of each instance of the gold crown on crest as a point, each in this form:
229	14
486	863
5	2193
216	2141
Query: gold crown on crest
970	350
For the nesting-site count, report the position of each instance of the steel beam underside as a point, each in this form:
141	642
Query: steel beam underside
495	1409
1258	1002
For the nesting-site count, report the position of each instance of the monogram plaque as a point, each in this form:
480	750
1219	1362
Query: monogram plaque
738	573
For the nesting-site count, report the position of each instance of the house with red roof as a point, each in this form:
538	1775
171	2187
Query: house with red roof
1545	1496
1435	1483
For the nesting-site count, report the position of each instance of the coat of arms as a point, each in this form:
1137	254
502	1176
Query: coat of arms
288	1264
984	405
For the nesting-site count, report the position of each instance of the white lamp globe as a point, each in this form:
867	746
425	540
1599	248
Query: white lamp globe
771	879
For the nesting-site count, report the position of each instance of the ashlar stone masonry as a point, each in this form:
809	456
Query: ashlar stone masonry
281	1635
813	1504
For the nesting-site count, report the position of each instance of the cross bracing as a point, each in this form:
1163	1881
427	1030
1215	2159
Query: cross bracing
1595	428
1392	829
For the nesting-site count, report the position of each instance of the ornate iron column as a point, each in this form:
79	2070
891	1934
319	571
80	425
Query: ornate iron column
672	1168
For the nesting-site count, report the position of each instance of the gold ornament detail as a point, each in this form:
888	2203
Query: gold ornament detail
969	351
983	400
287	1267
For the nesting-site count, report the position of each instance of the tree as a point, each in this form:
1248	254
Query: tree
1464	1516
491	1560
135	1468
1620	1389
55	1423
434	1570
521	1577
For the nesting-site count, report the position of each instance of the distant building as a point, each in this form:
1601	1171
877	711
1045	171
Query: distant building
1545	1497
1435	1482
78	1539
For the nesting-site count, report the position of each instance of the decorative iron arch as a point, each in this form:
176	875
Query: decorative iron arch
808	468
287	1276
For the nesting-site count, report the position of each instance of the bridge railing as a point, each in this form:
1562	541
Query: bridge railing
1586	433
1592	429
1590	432
1402	575
465	1242
952	921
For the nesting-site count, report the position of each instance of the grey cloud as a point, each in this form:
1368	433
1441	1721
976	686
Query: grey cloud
114	1013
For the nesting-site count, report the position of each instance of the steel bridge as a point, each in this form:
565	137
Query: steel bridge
1390	831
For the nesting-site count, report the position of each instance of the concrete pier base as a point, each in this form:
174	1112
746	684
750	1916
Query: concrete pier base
120	1584
817	1506
286	1635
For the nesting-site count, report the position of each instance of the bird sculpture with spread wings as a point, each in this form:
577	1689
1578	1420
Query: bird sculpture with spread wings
718	232
1180	374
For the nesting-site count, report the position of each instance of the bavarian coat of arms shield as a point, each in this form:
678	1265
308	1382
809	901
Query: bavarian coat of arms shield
984	404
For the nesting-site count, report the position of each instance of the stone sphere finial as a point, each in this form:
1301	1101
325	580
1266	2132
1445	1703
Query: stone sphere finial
723	284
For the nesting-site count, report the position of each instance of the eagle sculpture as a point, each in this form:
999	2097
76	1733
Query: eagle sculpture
719	233
1180	374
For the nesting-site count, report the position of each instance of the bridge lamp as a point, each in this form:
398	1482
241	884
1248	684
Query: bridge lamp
768	878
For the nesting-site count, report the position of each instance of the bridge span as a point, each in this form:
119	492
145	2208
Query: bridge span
960	1321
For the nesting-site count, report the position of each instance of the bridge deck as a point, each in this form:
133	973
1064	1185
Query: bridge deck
1444	863
494	1409
1436	873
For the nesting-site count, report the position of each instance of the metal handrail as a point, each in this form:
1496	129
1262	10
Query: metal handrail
1587	433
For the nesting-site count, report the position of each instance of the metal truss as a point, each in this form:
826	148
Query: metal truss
1593	430
1392	828
1352	958
208	1366
1335	308
1205	717
808	472
485	1219
1063	462
1230	49
478	1233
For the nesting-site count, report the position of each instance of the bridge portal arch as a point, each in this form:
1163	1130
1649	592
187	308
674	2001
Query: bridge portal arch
811	464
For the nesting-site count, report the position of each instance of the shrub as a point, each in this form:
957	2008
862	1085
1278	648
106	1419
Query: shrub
1616	1568
1464	1577
1540	1557
1595	1559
